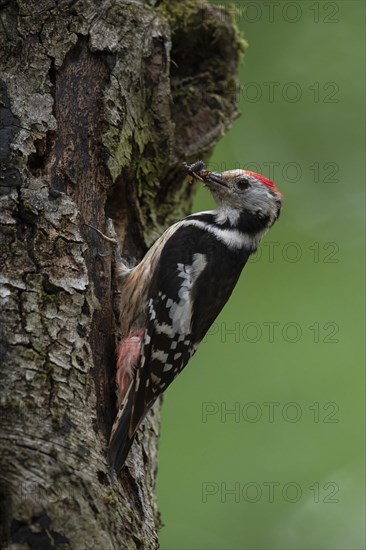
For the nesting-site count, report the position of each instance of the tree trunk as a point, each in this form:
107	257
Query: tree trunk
100	104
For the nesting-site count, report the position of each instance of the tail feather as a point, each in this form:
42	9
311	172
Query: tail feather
121	437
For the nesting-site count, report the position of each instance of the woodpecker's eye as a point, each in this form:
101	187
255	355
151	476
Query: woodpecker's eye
242	184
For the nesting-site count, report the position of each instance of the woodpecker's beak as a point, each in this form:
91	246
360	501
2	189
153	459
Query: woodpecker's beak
215	177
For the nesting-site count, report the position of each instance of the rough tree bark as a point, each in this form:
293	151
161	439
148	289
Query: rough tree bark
100	104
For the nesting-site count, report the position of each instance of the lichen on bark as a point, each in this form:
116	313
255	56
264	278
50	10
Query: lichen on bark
100	104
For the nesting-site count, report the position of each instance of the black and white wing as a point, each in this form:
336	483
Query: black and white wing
188	290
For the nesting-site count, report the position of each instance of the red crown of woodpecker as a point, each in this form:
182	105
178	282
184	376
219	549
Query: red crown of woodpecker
264	180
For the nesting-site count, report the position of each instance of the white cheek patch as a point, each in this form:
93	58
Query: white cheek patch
261	199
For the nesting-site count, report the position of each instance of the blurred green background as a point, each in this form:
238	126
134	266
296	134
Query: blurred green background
262	443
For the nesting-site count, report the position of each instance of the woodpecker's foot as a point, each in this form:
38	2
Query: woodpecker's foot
122	265
110	228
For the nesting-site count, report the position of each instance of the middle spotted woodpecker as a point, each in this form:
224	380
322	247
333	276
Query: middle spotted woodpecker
172	297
